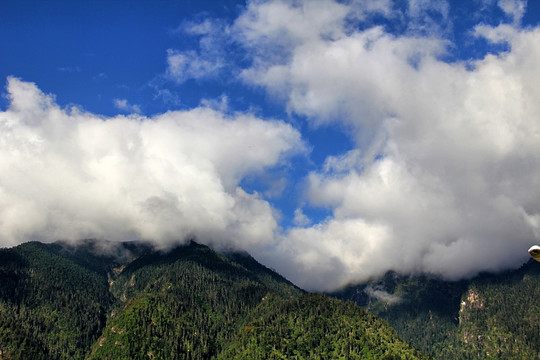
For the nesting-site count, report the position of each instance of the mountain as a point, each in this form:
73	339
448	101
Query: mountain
103	300
492	316
51	307
314	326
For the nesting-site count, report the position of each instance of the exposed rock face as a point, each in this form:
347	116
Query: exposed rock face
472	301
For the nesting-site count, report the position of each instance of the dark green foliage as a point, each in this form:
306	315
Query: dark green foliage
315	327
50	307
500	316
490	316
185	304
269	277
125	301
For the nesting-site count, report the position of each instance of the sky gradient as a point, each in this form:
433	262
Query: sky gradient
333	140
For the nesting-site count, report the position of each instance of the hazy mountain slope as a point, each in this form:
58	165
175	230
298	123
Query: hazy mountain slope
490	316
107	258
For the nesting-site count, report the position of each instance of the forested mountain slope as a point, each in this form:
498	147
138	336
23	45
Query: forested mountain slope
183	304
488	317
51	307
126	301
315	326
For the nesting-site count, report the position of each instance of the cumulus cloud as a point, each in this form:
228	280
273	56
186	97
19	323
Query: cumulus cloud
69	174
446	168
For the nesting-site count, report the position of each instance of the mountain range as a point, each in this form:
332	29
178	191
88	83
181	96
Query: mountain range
95	299
491	316
103	300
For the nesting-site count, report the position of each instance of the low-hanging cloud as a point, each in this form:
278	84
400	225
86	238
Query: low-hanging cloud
70	174
445	175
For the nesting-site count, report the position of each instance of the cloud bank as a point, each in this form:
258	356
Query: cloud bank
69	174
445	175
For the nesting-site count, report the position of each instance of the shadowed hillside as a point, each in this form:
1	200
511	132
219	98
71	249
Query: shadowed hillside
490	316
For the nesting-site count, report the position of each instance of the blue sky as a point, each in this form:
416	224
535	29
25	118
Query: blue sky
318	135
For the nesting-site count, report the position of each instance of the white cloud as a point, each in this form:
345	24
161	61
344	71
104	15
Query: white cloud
364	8
70	174
124	105
428	16
445	172
382	295
186	65
300	219
291	22
208	61
513	8
500	34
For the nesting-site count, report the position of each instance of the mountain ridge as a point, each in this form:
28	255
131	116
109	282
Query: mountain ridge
127	300
488	316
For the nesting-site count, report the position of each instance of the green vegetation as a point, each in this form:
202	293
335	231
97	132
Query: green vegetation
500	317
488	317
184	304
315	327
125	301
100	300
50	307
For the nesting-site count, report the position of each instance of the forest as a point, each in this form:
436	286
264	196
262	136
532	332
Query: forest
492	316
100	300
103	300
